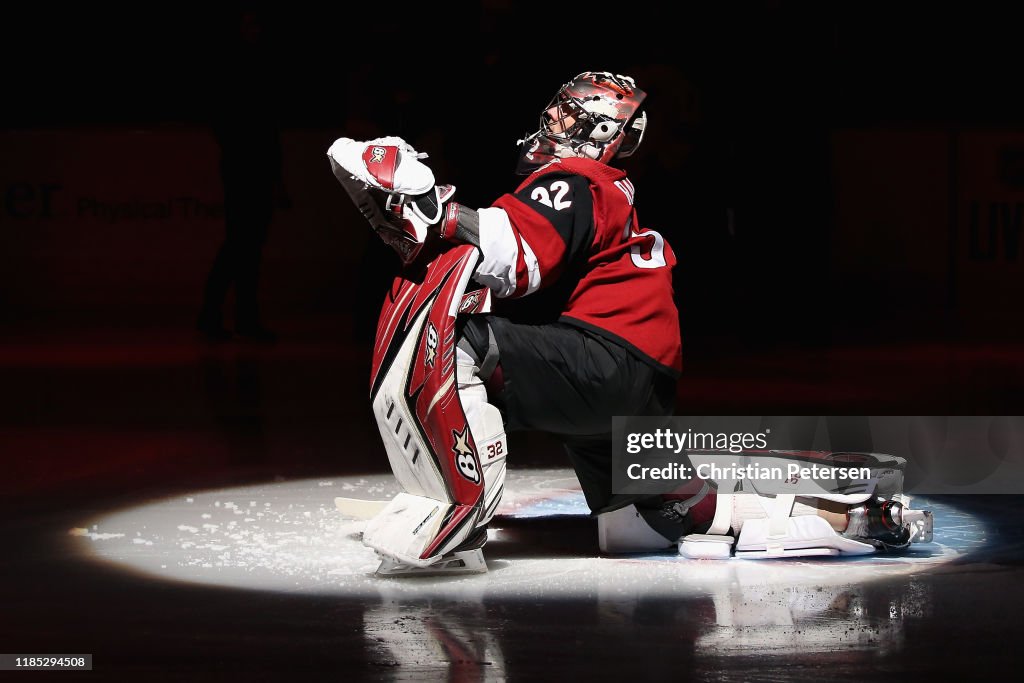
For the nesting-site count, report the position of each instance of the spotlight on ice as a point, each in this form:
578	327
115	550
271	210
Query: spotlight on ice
289	537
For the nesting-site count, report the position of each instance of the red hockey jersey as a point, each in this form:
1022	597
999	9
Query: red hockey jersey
578	214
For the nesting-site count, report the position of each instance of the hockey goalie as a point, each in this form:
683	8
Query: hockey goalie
457	361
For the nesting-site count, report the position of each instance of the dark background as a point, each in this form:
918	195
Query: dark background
840	183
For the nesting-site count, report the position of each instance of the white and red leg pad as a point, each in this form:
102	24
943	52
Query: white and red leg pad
488	431
415	402
443	443
404	530
766	527
405	552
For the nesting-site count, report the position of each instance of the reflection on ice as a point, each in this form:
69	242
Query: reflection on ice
765	620
432	640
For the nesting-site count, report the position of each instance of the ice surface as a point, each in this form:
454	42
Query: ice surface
299	543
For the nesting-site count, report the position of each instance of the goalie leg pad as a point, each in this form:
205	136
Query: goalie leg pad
487	426
389	532
807	535
427	433
409	525
408	453
782	526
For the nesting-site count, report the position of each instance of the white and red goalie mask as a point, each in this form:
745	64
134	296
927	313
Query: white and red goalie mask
597	115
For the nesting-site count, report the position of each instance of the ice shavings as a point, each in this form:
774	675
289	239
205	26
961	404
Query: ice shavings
93	535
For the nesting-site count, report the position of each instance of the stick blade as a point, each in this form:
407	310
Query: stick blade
358	508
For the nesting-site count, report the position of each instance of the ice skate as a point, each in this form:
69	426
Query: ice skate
889	524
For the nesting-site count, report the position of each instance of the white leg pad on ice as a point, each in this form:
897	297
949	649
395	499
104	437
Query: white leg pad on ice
800	536
769	528
389	532
772	527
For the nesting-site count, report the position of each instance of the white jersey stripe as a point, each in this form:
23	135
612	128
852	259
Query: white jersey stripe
627	189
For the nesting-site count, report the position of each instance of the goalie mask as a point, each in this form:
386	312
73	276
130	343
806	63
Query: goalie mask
596	116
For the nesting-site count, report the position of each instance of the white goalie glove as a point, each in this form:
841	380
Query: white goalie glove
389	163
396	192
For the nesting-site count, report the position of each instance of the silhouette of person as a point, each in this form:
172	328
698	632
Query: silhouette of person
249	139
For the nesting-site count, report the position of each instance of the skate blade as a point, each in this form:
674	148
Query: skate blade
466	562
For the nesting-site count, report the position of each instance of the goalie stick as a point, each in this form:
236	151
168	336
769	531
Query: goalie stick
358	508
